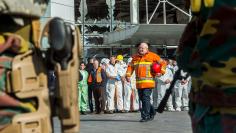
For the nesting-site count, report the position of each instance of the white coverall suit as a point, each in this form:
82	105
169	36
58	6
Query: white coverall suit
111	71
181	93
131	95
162	86
121	70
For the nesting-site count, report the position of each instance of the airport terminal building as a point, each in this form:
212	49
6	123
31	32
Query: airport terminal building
111	27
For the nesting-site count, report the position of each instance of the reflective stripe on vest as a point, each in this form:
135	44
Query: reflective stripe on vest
145	81
147	66
142	63
144	78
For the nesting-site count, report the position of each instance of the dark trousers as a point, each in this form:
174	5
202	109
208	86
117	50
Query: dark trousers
147	110
103	95
90	97
97	92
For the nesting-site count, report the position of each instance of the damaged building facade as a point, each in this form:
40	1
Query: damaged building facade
111	27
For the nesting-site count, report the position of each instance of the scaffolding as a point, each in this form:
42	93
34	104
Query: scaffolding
127	33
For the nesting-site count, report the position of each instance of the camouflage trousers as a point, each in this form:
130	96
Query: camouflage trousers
204	121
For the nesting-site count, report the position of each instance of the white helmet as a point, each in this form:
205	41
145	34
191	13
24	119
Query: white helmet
107	61
103	60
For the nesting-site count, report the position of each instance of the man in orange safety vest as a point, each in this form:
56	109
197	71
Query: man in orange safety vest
142	64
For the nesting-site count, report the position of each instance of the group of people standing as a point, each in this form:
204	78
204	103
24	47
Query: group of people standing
105	82
178	100
119	86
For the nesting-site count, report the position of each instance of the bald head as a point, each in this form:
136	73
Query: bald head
143	48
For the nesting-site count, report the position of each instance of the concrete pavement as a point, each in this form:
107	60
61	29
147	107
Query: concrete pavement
168	122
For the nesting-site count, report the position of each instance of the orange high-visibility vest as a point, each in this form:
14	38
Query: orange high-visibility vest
98	76
142	67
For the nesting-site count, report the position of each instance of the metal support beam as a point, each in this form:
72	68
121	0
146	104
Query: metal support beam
164	2
158	4
83	20
111	15
178	8
134	11
190	13
164	11
147	11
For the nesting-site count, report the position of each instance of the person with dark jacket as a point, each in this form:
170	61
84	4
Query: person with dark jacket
89	68
97	80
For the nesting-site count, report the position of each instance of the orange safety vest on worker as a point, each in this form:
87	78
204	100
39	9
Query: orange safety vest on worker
98	76
141	64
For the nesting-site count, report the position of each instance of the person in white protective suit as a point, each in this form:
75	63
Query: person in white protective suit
112	78
131	99
181	92
163	83
121	70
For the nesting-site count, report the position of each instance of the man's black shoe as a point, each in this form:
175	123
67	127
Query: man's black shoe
83	113
151	118
99	112
143	120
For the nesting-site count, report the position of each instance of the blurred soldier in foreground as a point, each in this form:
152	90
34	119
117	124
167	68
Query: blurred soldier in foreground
24	94
207	51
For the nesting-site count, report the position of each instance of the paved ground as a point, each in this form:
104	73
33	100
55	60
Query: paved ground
168	122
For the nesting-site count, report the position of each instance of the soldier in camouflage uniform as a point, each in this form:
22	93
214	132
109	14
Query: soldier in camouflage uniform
10	45
24	95
208	52
16	36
